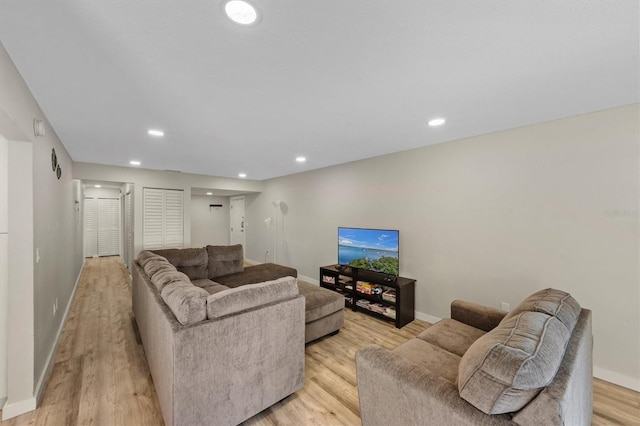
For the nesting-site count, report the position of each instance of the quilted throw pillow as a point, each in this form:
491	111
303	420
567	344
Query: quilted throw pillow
506	368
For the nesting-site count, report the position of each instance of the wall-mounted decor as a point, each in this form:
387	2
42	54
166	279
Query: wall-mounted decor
54	159
54	164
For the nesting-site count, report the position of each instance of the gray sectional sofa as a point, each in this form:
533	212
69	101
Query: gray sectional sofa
532	366
224	342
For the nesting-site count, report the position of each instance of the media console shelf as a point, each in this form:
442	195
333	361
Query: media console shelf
380	295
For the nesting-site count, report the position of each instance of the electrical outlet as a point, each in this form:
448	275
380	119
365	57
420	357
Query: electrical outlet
504	307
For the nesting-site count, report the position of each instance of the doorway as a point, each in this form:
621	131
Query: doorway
101	227
237	221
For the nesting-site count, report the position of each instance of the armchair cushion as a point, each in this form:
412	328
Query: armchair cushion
431	357
507	367
451	335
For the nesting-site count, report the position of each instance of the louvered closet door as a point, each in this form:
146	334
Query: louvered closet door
163	219
152	237
108	226
174	223
90	227
128	225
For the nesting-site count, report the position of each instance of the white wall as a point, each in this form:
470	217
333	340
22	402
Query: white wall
489	219
53	225
4	266
22	318
209	225
142	178
101	192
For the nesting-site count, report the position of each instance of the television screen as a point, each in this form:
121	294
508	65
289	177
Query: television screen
370	249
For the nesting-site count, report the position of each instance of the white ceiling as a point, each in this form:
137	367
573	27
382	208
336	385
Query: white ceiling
334	80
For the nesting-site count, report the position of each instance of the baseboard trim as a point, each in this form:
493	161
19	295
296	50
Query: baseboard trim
426	317
309	279
252	262
616	378
46	373
17	408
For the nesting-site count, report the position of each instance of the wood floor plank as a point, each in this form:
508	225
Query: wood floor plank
101	377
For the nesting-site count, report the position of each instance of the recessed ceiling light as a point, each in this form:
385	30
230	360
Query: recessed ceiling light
242	175
209	193
301	159
134	163
241	12
155	132
437	122
97	186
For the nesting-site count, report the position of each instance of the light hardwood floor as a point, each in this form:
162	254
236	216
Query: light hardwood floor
100	375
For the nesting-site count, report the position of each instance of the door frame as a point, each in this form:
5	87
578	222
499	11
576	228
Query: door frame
243	224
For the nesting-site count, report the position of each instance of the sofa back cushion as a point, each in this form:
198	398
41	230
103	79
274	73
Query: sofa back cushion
225	260
145	256
156	265
556	303
191	261
162	278
187	302
506	368
250	296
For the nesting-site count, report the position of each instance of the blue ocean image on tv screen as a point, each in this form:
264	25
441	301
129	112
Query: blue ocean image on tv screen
371	249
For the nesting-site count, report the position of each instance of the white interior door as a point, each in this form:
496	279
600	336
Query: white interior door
90	227
237	221
108	226
101	227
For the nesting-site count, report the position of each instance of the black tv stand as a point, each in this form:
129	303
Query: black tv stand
370	292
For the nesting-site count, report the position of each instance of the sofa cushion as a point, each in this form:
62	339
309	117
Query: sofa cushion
319	302
506	368
191	261
257	274
552	302
225	260
451	335
431	357
145	256
250	296
211	287
162	278
186	301
154	266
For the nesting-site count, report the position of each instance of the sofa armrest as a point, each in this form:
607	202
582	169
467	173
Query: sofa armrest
393	390
478	316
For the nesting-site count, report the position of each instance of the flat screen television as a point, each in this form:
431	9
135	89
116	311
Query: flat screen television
370	249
